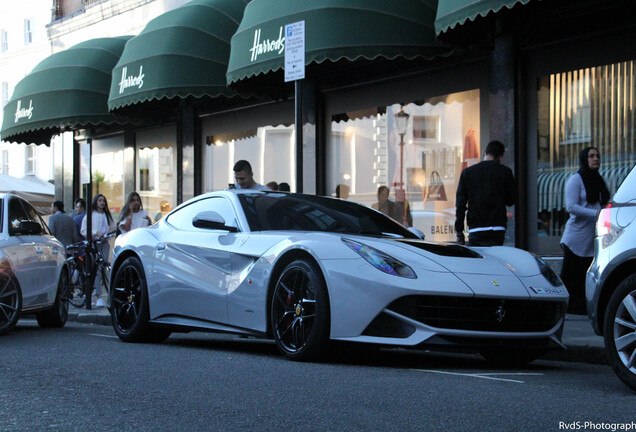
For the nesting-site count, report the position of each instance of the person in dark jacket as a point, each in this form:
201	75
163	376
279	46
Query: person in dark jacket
485	189
61	225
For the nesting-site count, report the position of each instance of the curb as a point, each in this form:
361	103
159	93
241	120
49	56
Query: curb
90	317
578	354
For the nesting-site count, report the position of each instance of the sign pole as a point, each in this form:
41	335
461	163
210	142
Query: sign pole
299	135
295	71
87	179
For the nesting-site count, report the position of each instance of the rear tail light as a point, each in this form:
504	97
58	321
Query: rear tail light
604	221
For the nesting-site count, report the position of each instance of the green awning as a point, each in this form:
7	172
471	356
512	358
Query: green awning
334	30
67	90
456	12
181	53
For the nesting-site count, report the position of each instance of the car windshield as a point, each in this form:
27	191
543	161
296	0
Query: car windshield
276	211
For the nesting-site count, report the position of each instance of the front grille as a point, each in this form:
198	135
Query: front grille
480	314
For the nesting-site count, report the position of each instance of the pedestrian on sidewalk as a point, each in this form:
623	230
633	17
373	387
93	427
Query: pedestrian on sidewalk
80	212
244	177
102	224
585	194
133	215
485	189
62	225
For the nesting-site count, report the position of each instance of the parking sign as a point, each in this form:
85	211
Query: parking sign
295	51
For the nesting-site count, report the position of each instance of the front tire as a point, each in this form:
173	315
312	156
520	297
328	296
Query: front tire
10	303
620	331
129	307
299	312
56	316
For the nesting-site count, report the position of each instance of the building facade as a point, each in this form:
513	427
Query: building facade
547	78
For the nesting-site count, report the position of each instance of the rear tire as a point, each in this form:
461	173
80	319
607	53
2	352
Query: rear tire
129	308
620	331
10	303
58	314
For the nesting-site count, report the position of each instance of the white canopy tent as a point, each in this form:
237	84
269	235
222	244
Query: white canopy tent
36	191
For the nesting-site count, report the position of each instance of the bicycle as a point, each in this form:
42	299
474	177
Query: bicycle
85	262
76	288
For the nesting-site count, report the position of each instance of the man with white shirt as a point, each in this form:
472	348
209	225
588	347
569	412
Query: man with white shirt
245	177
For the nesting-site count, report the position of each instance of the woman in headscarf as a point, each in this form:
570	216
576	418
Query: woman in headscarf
585	194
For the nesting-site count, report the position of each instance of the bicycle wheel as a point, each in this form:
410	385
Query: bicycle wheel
105	271
88	272
75	289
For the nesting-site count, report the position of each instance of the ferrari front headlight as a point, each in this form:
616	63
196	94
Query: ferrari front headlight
380	260
547	272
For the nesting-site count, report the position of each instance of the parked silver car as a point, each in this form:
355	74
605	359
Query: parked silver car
32	267
611	280
308	270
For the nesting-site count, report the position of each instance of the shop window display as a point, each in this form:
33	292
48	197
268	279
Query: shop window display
107	163
420	164
271	150
578	109
156	171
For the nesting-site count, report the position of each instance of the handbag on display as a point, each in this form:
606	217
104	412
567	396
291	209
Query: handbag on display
436	190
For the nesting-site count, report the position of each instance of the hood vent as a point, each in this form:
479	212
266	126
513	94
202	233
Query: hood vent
449	250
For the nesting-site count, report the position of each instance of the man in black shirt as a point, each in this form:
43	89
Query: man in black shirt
485	189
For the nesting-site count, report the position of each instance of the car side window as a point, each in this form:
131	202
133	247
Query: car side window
182	218
17	214
33	216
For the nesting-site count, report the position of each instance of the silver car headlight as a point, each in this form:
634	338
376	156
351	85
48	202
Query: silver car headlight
380	260
547	272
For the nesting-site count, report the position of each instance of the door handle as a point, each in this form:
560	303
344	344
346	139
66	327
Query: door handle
38	250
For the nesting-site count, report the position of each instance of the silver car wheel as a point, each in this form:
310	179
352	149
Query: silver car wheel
10	303
625	331
620	331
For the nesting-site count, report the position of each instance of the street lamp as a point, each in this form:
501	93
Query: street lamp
401	122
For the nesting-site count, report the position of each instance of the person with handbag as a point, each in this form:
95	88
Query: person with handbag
485	189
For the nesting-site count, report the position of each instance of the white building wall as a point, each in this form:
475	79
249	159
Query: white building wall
15	63
108	18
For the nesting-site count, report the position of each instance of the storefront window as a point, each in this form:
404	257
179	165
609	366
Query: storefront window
420	165
107	163
156	170
271	150
577	109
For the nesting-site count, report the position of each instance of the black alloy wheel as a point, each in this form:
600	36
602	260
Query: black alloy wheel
10	303
620	331
299	312
129	305
58	314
